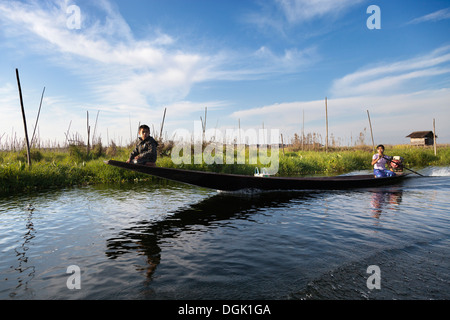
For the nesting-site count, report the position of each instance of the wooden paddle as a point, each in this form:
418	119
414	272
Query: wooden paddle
414	171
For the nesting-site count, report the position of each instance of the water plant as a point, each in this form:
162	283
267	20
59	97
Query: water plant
71	167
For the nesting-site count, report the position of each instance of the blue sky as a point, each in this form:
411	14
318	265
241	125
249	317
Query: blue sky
251	62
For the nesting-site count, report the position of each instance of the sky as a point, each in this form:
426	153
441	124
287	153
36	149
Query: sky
251	63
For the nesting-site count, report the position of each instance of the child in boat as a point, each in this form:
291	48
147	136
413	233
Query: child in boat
145	152
379	161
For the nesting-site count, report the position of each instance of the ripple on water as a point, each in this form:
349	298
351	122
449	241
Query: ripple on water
170	242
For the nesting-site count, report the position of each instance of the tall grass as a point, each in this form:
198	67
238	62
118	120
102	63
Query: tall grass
59	169
294	162
71	167
354	159
309	162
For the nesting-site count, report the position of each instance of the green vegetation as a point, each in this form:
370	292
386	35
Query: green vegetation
336	161
346	160
60	169
71	167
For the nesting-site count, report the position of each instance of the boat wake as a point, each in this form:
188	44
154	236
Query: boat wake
437	171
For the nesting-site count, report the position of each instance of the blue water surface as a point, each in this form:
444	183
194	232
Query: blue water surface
170	241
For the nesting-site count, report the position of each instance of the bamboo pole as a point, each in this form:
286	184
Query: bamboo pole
131	131
95	128
88	132
264	134
37	118
371	132
24	119
326	116
303	130
162	125
203	121
67	134
204	126
239	128
434	136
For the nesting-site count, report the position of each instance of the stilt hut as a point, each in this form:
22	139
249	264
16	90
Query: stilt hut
422	138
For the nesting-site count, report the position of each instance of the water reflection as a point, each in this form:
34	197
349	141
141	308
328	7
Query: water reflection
385	200
146	237
26	272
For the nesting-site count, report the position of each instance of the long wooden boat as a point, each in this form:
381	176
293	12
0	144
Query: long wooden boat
235	182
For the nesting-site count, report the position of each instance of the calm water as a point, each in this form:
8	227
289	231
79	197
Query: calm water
169	241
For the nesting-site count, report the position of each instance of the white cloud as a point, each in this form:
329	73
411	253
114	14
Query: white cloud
140	76
397	95
110	48
295	20
290	61
56	117
127	76
393	76
393	116
442	14
297	11
125	70
8	95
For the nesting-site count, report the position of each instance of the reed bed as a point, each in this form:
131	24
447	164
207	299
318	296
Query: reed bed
73	167
56	169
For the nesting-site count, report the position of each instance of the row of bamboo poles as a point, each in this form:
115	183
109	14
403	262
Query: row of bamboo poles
75	138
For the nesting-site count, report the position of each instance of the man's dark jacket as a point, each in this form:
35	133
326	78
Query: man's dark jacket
147	149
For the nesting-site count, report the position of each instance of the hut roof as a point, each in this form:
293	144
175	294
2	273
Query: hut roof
421	134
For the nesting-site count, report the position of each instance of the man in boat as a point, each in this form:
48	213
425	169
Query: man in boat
379	161
145	152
